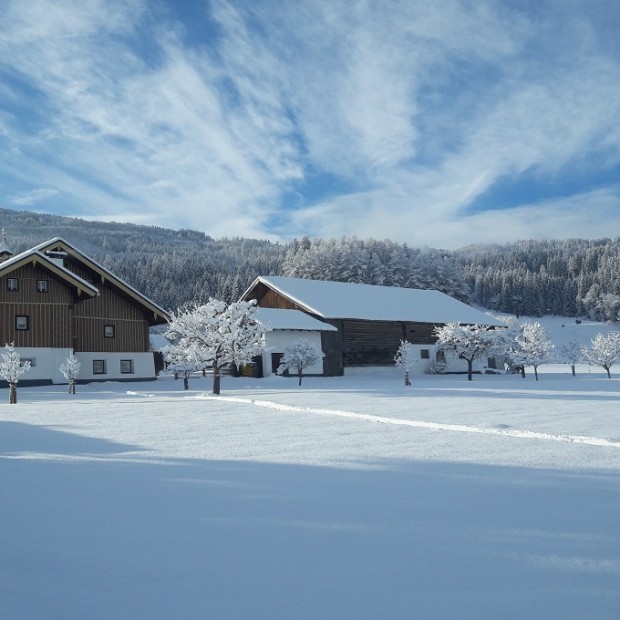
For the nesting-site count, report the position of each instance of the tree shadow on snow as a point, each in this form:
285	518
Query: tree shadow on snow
181	538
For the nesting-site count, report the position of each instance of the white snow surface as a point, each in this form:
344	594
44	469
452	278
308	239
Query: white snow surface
277	318
341	300
347	498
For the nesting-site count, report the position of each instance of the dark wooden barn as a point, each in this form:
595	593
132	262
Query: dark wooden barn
371	320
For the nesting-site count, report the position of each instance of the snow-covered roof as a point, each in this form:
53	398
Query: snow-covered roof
340	300
291	319
18	259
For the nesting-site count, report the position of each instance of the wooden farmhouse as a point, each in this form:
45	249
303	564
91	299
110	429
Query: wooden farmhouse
369	321
54	299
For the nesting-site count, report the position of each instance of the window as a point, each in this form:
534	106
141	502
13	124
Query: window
12	284
42	286
21	322
425	354
126	367
99	367
108	331
32	360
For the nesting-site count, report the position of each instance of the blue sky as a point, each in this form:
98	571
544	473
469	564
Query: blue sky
433	123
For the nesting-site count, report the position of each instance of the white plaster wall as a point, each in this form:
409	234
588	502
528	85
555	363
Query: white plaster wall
276	341
143	366
46	363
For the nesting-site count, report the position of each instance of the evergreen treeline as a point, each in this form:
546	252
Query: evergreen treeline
375	262
574	277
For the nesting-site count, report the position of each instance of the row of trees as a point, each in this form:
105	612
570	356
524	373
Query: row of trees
523	344
12	368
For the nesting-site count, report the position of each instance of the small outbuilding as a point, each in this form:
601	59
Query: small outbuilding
285	327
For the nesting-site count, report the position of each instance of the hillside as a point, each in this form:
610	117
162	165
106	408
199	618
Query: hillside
574	277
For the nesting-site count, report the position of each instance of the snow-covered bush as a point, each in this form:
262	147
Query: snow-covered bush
299	355
603	351
405	359
11	370
70	369
220	334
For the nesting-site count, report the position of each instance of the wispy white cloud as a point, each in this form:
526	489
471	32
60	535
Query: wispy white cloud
119	110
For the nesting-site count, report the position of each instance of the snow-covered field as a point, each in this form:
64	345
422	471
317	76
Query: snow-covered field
347	498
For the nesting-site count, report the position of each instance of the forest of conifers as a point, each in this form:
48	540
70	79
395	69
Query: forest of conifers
573	277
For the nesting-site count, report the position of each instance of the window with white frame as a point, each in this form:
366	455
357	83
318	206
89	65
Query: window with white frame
42	286
99	367
12	284
108	331
127	367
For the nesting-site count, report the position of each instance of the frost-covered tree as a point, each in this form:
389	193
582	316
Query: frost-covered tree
570	353
299	355
405	359
532	346
603	351
467	342
222	334
11	370
70	369
183	360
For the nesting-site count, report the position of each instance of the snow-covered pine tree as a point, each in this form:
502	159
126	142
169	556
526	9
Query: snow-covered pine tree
70	369
12	369
299	355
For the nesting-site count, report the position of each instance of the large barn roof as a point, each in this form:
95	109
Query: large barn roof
339	300
291	319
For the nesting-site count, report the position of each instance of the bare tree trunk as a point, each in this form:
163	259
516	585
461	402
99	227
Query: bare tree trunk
71	386
523	371
185	382
12	393
299	374
470	369
536	372
216	380
608	373
573	369
407	380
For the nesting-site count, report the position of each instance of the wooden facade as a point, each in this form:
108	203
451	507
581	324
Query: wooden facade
357	343
55	297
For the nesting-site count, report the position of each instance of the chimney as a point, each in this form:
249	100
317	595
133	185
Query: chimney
5	250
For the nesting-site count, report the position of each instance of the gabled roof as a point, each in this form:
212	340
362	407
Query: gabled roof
38	254
84	290
60	245
340	300
291	319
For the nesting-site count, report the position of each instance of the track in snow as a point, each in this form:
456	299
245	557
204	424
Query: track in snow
459	428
